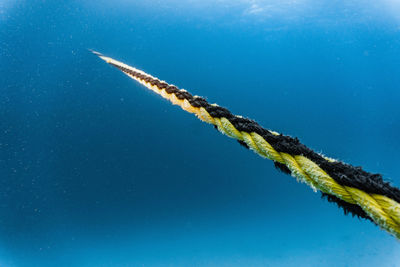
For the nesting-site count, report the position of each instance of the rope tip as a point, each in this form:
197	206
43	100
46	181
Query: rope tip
95	52
100	55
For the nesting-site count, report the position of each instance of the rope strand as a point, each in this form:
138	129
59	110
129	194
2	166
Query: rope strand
358	192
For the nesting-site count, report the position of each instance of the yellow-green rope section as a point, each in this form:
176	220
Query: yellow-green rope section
383	210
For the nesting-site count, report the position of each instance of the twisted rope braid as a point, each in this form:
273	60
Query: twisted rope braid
358	192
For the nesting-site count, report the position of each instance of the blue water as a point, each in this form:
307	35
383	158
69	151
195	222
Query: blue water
96	170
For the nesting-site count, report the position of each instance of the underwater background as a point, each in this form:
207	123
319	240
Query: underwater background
96	170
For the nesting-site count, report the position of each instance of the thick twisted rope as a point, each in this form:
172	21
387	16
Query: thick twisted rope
358	192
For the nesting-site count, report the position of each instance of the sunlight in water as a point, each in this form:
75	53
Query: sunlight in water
5	6
323	12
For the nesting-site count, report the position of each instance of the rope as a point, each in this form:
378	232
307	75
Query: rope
356	191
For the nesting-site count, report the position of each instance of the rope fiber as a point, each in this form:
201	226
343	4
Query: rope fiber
356	191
